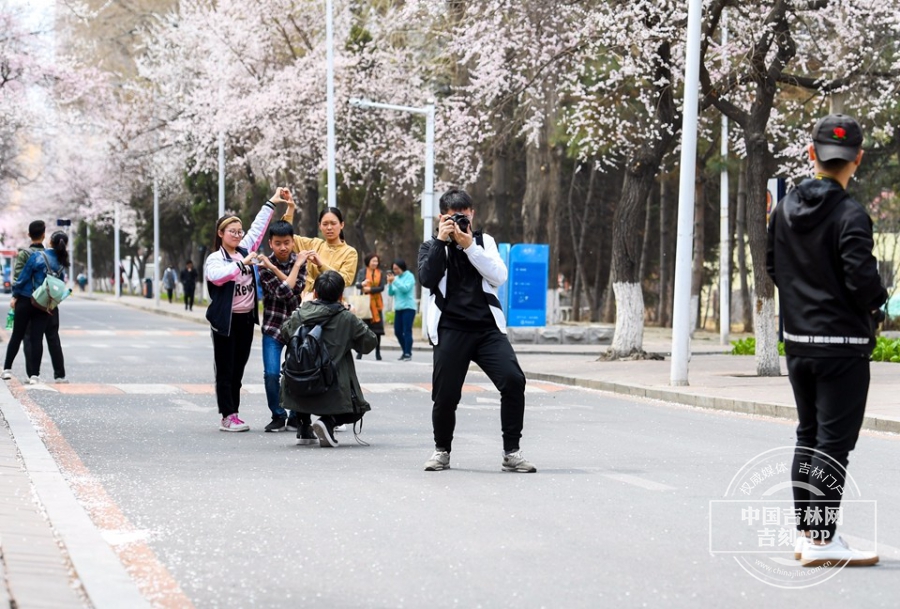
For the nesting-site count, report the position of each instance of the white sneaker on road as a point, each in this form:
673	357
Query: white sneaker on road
34	380
836	553
7	374
515	462
438	461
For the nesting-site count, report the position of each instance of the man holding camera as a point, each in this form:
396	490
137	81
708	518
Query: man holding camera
462	318
820	257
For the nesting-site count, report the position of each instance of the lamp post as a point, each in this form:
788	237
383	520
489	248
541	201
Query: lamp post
90	262
724	228
329	94
427	196
117	252
681	310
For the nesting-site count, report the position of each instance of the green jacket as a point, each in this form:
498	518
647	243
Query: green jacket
341	333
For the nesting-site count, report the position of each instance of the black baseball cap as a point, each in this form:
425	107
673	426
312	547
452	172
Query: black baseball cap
837	136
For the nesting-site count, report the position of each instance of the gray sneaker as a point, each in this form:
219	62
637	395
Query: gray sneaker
438	461
515	462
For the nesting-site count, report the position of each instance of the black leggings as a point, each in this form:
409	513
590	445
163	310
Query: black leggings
54	346
33	321
493	354
830	393
231	354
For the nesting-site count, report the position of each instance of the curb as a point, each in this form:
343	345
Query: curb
97	566
702	401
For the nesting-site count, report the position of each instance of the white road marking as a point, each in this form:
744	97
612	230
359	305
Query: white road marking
191	407
650	485
147	389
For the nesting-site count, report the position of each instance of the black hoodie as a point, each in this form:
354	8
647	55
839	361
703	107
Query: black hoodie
820	256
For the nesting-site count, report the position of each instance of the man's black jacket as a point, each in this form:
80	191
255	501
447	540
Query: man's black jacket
820	256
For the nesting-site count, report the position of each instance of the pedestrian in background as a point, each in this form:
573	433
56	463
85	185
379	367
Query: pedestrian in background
343	403
233	311
371	281
188	279
169	279
29	318
283	278
329	254
402	288
819	255
462	317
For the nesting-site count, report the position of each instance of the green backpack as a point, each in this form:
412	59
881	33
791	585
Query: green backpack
49	294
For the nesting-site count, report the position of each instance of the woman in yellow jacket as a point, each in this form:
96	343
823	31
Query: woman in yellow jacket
329	254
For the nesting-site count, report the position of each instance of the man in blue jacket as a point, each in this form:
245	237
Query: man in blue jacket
820	257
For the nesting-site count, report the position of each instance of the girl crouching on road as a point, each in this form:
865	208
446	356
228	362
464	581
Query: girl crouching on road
233	310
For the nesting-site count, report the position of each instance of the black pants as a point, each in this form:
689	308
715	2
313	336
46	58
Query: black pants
189	298
493	354
231	354
831	400
169	292
54	346
34	322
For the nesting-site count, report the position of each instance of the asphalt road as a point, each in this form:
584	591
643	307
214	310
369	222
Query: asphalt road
618	514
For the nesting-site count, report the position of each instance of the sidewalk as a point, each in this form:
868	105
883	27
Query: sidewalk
717	380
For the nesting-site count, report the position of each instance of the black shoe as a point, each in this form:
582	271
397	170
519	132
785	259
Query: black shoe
378	356
324	429
277	424
306	436
293	423
359	356
406	358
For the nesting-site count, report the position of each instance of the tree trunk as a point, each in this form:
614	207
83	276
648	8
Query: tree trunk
627	222
645	242
308	223
767	363
741	246
698	258
662	314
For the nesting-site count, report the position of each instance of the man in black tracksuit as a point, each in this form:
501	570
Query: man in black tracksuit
462	318
820	257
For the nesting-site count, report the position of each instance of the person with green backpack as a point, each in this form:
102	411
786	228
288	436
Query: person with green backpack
36	312
36	232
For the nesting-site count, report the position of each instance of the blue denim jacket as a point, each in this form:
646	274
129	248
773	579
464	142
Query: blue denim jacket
34	273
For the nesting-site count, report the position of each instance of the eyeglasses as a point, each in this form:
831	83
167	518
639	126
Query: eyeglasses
235	233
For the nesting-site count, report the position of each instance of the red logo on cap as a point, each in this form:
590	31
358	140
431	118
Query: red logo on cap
839	133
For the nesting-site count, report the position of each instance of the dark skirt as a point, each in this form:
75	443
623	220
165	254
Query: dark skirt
377	328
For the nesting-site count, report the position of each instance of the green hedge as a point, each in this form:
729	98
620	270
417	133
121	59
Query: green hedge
886	349
747	346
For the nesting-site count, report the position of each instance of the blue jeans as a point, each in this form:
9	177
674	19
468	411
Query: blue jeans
403	325
271	350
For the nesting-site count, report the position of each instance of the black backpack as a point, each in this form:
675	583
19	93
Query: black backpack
308	369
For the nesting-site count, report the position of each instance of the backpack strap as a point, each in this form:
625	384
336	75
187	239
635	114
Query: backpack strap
50	270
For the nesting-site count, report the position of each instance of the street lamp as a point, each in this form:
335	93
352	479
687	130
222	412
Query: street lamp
428	195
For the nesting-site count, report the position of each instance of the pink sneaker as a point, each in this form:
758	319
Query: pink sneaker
233	423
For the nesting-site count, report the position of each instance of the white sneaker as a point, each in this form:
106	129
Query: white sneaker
61	381
233	423
799	544
516	462
438	461
34	380
340	428
836	553
7	374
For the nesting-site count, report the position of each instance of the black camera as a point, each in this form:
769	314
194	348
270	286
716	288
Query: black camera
462	221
